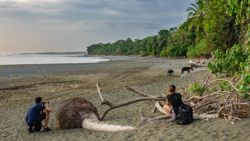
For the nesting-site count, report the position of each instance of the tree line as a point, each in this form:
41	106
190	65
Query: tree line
211	25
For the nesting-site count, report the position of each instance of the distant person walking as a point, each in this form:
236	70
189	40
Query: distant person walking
36	114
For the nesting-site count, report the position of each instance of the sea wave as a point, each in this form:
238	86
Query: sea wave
21	59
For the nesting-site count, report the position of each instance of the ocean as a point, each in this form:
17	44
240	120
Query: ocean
48	58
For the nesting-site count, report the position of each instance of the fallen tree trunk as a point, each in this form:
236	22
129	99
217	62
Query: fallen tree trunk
114	106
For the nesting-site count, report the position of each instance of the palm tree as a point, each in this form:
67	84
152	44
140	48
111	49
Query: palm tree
196	16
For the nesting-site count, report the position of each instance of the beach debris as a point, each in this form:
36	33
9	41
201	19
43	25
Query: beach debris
220	103
224	100
143	97
192	63
217	104
154	118
141	115
80	113
197	63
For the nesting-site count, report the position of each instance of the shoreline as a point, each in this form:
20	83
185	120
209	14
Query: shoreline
30	70
109	58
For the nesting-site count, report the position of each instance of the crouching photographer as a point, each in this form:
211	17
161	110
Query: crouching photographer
36	114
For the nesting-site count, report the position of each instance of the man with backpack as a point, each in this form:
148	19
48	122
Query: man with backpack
181	113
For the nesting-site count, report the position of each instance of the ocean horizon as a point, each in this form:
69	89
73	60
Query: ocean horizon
48	58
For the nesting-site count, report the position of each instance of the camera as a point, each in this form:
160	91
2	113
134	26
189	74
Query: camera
45	103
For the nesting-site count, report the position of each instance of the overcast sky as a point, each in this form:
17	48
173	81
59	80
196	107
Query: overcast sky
72	25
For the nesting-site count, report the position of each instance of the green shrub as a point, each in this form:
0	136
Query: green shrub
199	50
143	53
234	62
225	86
164	53
244	84
230	62
174	51
196	89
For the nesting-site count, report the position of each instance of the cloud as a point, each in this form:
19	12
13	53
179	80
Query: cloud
111	12
79	23
27	8
32	1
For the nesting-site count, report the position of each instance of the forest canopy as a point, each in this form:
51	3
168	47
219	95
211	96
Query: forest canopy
210	25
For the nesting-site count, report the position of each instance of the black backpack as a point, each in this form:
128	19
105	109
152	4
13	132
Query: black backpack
184	115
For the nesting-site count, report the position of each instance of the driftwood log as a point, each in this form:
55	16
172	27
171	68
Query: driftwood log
143	97
219	104
225	104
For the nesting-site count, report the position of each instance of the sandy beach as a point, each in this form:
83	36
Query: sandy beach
20	84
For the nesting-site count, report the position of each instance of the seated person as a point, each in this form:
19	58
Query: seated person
36	114
174	101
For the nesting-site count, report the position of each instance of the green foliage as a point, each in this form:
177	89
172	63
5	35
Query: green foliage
174	51
228	63
236	61
221	30
196	89
164	53
240	9
225	86
199	50
244	84
178	43
143	53
211	25
152	45
196	14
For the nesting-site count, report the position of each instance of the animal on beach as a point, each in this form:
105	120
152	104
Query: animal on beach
187	69
80	113
170	72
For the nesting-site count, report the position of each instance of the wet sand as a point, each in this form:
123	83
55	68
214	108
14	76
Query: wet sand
55	83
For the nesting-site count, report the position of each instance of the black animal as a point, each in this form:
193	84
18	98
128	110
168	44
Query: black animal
170	72
186	69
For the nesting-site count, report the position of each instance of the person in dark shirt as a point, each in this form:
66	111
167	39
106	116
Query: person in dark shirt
174	101
36	114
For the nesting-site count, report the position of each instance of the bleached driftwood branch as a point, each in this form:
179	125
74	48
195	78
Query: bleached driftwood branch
114	106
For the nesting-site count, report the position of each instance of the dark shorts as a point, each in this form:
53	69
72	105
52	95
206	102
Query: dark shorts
41	117
38	124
